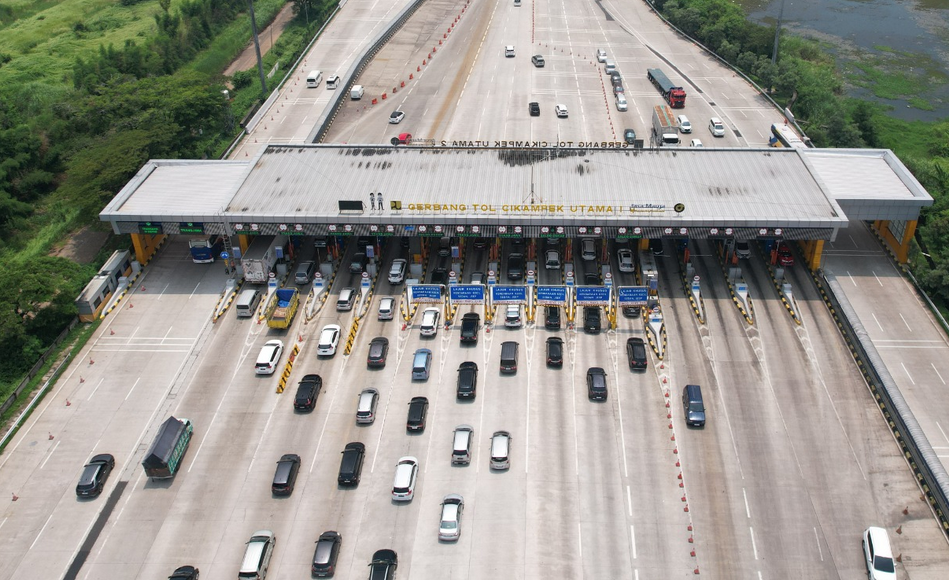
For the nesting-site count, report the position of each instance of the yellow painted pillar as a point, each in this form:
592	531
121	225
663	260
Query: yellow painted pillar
145	246
244	242
899	247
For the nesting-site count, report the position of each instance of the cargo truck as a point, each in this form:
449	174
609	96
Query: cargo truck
665	129
168	449
282	307
672	93
261	257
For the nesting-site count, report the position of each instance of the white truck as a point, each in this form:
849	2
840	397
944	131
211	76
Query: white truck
261	257
665	129
357	92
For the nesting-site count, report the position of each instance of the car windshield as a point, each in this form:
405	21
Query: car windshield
883	564
449	525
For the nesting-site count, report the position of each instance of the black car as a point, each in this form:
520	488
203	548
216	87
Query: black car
596	384
439	276
285	476
325	554
632	311
383	565
378	349
94	475
552	317
629	136
470	323
184	573
350	466
636	353
307	392
534	108
591	279
467	380
656	246
418	408
591	319
555	351
515	266
480	243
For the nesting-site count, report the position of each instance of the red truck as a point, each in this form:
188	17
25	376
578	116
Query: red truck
673	94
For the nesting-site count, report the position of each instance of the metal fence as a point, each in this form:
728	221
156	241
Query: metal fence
11	400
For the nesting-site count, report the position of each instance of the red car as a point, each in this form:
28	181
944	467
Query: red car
785	257
402	139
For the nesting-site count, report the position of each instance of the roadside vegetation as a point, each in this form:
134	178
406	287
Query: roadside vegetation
92	89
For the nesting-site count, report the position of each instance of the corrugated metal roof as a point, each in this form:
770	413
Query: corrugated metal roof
865	174
734	185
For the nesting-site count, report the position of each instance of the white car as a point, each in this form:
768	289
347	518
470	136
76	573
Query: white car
396	117
684	124
716	126
329	338
696	143
449	530
878	555
430	318
269	357
509	50
552	260
625	260
386	308
397	271
561	110
406	474
621	104
600	55
512	318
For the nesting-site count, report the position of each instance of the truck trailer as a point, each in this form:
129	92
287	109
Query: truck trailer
261	257
672	93
282	307
168	449
665	129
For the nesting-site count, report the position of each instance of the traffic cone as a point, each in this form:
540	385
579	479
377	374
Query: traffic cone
50	436
68	403
15	497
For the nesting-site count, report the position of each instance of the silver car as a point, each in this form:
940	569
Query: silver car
449	530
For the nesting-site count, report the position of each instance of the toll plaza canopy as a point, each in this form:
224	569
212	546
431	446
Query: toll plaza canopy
796	194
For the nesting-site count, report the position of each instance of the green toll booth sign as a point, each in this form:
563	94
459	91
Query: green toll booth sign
150	228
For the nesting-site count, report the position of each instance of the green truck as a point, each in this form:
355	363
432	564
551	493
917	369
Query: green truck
168	449
282	307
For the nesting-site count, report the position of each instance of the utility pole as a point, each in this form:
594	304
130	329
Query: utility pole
260	62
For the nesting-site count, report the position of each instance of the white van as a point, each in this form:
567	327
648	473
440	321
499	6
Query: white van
257	556
332	82
313	79
357	92
247	302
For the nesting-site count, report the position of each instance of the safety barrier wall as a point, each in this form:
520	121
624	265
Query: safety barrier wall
926	466
329	113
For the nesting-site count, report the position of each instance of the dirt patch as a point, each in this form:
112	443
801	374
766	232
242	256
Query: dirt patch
268	36
82	246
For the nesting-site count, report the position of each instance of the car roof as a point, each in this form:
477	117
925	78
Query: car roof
596	371
468	365
555	339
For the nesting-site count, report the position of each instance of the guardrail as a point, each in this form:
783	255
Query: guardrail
918	452
325	120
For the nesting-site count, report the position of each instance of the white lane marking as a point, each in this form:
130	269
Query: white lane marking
819	550
629	501
95	389
50	454
260	439
579	541
190	296
875	319
37	538
877	278
632	540
133	388
852	281
751	531
909	376
76	551
943	432
908	327
747	509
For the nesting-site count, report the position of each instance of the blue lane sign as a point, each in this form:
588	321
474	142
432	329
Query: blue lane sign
225	255
552	295
633	295
426	293
593	295
466	293
509	294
